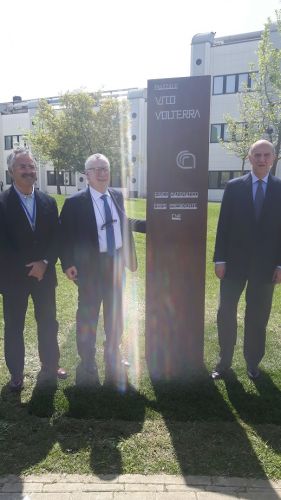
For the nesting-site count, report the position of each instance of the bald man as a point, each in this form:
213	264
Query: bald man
248	256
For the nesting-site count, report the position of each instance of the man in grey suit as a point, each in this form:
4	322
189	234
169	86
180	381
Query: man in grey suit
28	253
97	245
248	254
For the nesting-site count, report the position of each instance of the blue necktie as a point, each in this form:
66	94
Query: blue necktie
110	239
259	199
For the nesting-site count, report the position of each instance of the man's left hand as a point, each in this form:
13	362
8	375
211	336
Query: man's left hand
38	269
277	276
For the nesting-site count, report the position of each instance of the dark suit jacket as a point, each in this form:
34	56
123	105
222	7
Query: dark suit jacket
80	246
20	245
241	241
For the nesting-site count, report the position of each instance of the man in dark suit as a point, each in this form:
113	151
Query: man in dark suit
28	253
97	244
248	254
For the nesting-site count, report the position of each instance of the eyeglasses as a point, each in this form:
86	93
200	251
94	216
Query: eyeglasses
98	169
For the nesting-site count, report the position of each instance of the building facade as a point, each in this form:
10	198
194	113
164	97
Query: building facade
230	60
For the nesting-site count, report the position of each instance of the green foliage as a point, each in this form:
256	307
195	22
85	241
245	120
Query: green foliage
260	108
81	125
230	427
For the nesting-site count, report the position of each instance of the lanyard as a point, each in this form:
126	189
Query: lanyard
30	215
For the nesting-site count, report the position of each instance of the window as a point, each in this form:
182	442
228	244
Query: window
65	178
230	84
216	132
219	178
12	141
8	178
219	131
218	85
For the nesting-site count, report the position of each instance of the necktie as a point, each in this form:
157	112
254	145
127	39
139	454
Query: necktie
259	199
110	239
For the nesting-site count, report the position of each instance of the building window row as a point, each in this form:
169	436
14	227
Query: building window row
12	141
230	84
219	178
219	131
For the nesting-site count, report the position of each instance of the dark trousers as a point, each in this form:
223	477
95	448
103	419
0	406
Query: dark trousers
15	304
105	288
257	312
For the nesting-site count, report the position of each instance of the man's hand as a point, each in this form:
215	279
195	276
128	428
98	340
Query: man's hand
220	270
71	273
38	269
276	276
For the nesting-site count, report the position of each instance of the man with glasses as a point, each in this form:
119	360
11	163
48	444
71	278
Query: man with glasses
28	253
97	244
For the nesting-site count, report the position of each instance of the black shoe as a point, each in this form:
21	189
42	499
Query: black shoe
47	377
253	373
117	378
87	376
16	384
218	374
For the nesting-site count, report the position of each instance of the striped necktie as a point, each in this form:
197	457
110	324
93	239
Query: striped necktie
110	238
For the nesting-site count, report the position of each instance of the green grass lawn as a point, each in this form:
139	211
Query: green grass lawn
224	428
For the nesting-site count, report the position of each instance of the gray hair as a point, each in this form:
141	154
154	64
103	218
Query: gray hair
11	160
93	158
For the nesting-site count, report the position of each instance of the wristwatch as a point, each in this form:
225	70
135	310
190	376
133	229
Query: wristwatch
46	261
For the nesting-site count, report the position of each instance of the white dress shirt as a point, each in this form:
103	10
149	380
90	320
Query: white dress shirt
98	205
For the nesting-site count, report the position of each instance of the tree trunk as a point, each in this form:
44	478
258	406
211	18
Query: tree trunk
277	152
58	181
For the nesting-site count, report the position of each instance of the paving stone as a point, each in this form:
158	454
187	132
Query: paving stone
50	496
144	487
187	495
44	478
230	481
13	496
134	496
198	480
106	495
263	484
208	495
12	487
261	495
182	487
144	479
69	487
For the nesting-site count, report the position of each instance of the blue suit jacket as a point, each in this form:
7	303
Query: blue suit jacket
241	241
79	234
19	244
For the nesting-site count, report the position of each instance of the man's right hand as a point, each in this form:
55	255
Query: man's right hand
220	270
71	273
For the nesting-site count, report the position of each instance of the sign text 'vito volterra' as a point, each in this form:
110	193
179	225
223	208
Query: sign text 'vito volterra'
173	114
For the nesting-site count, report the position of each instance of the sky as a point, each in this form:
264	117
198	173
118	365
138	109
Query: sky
51	47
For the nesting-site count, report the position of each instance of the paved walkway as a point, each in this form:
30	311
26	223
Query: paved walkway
135	487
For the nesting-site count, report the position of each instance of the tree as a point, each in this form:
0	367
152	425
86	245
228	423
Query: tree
79	126
260	106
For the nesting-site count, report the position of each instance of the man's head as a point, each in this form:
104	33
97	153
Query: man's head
261	156
97	170
22	169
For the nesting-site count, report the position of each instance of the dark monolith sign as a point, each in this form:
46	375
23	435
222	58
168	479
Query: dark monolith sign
177	165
